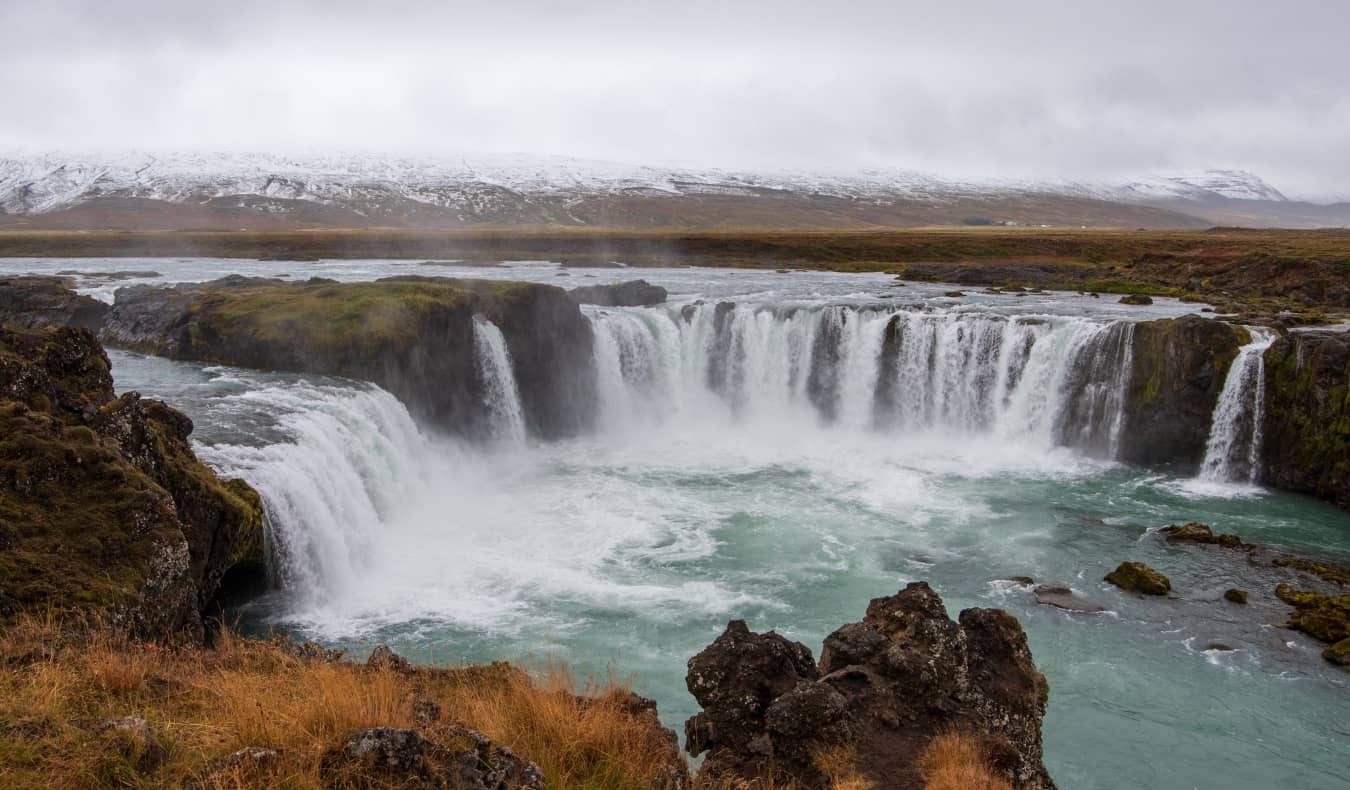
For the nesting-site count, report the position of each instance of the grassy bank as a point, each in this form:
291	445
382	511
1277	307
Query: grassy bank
61	686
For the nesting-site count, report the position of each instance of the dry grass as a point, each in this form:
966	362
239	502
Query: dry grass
58	685
956	761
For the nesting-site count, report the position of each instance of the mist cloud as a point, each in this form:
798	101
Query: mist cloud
1036	89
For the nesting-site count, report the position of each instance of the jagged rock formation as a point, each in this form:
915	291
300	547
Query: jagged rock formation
1306	437
634	293
414	336
103	504
884	686
1178	370
37	301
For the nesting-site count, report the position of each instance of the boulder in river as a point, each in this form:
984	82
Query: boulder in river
1136	299
1138	577
1064	598
883	689
634	293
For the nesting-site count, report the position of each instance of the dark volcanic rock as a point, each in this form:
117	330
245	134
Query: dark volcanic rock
1177	371
37	301
464	760
1306	441
1202	533
414	336
634	293
884	686
1235	595
1136	299
107	507
1064	598
1138	577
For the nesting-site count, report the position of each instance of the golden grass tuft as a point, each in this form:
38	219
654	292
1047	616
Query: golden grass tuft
957	761
59	683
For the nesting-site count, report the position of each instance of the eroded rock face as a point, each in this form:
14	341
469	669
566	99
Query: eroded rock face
413	336
1306	441
1178	367
36	301
634	293
884	686
107	507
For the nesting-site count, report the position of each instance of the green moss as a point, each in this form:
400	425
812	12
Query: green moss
1138	577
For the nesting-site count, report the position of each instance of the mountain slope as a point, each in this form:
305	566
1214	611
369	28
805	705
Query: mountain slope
262	191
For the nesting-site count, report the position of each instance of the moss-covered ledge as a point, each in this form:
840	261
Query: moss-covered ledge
1306	442
104	508
414	336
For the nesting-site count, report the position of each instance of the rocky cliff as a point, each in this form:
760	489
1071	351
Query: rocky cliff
38	301
884	688
103	505
1178	367
413	336
1306	437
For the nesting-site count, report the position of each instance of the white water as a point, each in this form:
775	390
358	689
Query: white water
1047	380
1233	451
501	398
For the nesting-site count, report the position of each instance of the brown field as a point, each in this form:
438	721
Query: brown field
1271	269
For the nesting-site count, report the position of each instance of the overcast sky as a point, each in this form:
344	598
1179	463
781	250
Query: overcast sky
1030	88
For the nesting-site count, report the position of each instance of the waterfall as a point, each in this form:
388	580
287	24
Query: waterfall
348	457
501	398
1233	452
1050	379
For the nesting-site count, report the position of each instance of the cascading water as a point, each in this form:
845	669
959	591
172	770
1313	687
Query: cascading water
350	456
1233	451
501	398
1055	380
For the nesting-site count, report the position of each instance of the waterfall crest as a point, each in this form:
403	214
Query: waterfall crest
1233	452
1051	379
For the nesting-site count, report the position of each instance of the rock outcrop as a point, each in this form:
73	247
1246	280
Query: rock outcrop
104	505
36	301
1178	367
414	336
461	759
884	687
1323	617
1138	577
634	293
1306	437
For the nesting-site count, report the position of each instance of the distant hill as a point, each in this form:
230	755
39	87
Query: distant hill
227	191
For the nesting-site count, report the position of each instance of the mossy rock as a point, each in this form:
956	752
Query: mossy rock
1323	617
1339	653
1306	436
1136	299
107	509
1138	577
1235	596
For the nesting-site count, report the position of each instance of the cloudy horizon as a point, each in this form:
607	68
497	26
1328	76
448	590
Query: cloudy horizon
1040	90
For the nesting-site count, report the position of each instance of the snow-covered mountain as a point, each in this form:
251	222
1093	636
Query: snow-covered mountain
426	191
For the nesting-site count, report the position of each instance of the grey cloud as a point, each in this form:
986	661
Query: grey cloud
1087	90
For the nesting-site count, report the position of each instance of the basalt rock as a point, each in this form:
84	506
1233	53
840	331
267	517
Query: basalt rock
36	301
1306	437
457	759
414	336
106	507
634	293
1138	577
1178	367
884	687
